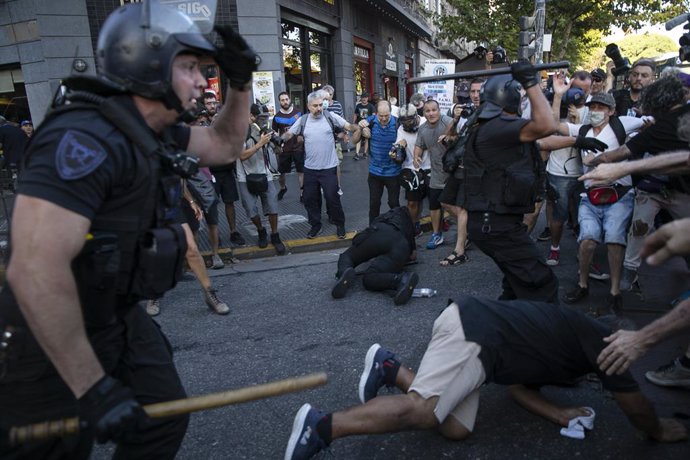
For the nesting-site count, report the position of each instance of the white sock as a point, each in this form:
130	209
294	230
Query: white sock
557	248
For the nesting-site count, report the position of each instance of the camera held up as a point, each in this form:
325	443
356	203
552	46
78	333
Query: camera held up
622	64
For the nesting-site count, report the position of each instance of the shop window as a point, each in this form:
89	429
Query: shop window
307	61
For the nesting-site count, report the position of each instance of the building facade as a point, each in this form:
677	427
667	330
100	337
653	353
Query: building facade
357	46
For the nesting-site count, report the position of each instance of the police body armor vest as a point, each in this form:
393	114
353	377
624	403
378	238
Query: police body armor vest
134	250
512	188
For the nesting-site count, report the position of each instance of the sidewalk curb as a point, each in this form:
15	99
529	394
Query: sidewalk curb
297	246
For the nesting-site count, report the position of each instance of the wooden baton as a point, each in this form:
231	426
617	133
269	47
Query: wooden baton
70	426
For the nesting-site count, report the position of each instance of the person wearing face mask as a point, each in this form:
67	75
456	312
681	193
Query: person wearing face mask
413	178
604	212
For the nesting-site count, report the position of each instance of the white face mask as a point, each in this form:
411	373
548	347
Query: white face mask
597	118
324	104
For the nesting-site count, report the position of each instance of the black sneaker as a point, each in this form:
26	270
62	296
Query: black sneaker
314	231
545	235
237	239
614	303
263	238
374	374
305	441
670	375
282	193
576	294
408	281
343	283
340	232
275	241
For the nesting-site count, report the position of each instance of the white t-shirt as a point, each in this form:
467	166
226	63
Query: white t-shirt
608	137
319	145
411	139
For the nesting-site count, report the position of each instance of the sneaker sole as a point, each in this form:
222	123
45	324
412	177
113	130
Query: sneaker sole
340	289
599	277
551	263
296	430
666	383
368	364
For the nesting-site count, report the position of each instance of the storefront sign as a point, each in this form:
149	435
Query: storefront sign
391	65
262	86
441	91
361	52
391	56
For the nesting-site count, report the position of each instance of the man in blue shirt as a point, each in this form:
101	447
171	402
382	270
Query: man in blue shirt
383	171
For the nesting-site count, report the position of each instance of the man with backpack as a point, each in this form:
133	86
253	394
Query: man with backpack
319	129
604	212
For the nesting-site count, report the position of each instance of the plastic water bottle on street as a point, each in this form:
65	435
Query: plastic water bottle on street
424	292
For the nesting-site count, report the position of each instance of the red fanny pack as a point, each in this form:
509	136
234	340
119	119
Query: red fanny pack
606	195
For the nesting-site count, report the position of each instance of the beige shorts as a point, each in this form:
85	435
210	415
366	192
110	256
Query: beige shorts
451	370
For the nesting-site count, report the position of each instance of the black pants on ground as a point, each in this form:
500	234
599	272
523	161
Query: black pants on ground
388	251
133	351
314	181
376	185
525	274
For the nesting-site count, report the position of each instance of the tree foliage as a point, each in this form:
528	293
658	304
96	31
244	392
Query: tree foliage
633	47
576	25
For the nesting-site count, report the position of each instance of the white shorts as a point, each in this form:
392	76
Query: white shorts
451	370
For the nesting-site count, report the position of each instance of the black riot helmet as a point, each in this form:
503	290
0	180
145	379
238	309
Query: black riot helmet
500	93
138	44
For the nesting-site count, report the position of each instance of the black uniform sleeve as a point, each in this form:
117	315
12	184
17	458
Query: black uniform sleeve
181	134
73	169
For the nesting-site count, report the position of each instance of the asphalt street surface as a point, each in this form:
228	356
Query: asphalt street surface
284	323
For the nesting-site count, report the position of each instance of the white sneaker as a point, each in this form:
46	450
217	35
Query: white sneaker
217	262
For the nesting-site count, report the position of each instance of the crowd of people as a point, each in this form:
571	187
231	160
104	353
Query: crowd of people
118	207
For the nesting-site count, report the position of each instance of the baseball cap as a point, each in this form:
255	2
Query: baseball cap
602	98
364	95
598	73
26	122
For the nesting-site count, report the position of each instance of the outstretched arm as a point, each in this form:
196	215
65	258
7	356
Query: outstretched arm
627	346
536	403
665	163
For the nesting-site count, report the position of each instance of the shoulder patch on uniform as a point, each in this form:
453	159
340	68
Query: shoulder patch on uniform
78	154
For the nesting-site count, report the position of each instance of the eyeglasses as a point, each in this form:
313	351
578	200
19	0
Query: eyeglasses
597	79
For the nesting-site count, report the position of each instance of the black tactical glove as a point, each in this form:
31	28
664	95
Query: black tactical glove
236	58
525	73
109	410
589	143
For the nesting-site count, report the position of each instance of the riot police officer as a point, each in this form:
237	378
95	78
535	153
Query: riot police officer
93	232
500	181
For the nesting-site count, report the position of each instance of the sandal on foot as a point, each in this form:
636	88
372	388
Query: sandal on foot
453	259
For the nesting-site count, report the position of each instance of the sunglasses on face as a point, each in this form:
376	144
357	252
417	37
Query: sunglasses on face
597	79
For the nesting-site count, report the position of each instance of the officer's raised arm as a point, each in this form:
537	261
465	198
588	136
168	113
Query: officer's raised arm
542	123
223	142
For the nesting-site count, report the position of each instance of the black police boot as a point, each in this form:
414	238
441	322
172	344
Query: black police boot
407	283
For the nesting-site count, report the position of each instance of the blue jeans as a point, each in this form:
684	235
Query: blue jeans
607	222
563	186
314	181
